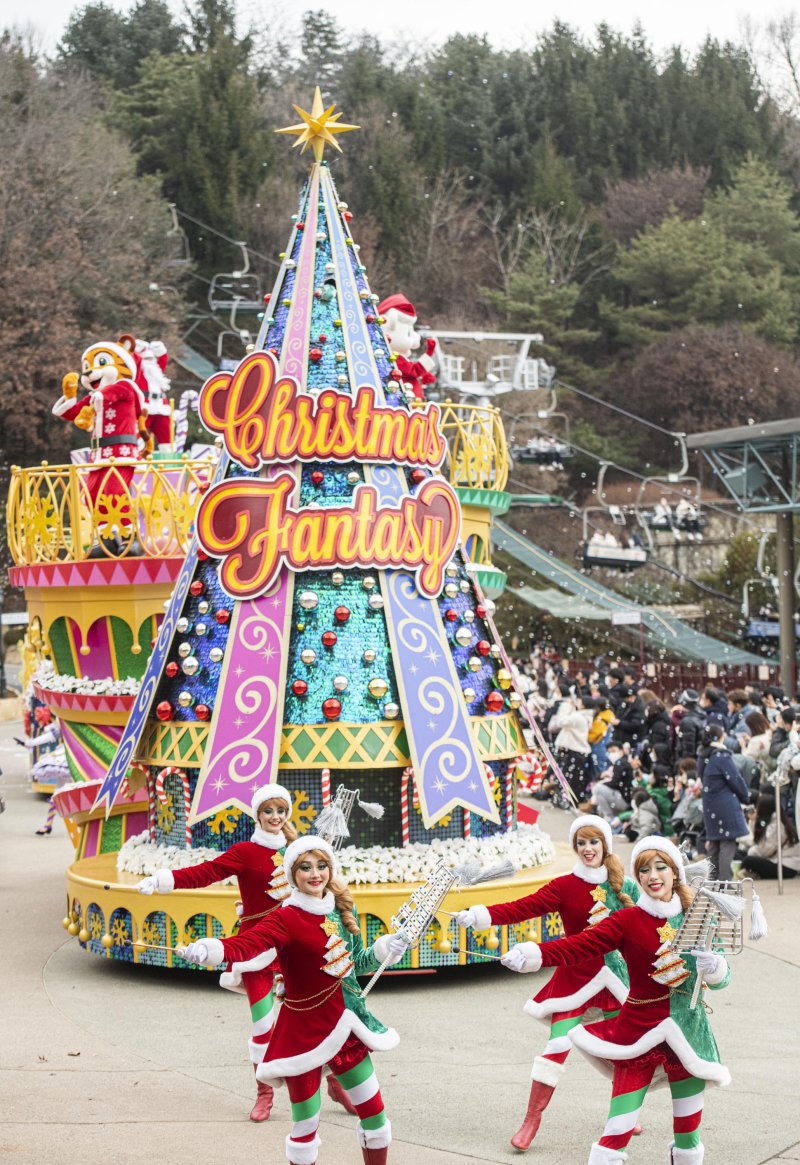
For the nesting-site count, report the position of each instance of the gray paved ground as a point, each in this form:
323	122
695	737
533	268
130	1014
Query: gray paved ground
99	1061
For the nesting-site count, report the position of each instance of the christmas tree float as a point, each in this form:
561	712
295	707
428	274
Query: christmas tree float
326	629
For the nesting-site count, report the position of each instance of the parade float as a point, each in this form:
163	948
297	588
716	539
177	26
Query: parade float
326	629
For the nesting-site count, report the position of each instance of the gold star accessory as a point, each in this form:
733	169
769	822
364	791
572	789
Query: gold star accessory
598	894
277	859
667	933
329	926
317	128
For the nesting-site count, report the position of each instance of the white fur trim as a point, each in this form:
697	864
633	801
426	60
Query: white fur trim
591	874
302	1152
689	1156
375	1138
547	1071
231	983
311	905
605	978
596	823
268	840
664	846
269	793
483	917
63	404
118	350
233	976
165	881
600	1052
347	1024
302	846
659	909
599	1155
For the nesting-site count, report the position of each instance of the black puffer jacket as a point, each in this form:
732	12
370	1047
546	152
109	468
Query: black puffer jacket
658	734
689	732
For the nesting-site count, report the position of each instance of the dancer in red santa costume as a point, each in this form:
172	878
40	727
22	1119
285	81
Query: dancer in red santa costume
113	412
657	1033
257	865
323	1021
151	358
594	890
399	318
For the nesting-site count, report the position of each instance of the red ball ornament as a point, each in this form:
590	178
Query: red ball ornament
317	293
483	647
299	687
315	354
341	614
370	318
268	297
171	669
322	338
222	616
331	708
451	615
201	554
494	702
301	226
395	374
317	476
480	611
164	710
329	638
347	216
197	587
418	476
274	352
202	711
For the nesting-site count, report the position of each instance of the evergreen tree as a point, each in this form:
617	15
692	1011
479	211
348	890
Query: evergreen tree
110	45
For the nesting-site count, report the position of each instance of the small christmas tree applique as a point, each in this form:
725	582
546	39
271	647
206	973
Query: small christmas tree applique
278	886
337	956
599	911
670	969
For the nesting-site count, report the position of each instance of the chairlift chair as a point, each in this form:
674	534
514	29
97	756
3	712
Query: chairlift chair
607	555
236	290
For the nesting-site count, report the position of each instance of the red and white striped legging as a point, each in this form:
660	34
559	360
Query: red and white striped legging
632	1078
352	1067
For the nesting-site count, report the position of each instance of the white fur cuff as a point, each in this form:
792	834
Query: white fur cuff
375	1138
600	1155
165	881
547	1071
302	1152
689	1156
482	916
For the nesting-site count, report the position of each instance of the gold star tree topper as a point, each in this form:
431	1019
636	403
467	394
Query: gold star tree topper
318	127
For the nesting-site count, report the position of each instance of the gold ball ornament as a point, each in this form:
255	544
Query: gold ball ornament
107	941
469	694
474	663
369	656
73	928
463	636
451	590
504	678
83	935
451	570
337	578
369	583
377	688
514	699
66	921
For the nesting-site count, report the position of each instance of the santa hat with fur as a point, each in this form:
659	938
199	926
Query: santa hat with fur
304	845
400	303
663	846
269	793
591	819
118	350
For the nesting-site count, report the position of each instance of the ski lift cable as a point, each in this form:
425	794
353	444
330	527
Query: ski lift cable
227	238
679	437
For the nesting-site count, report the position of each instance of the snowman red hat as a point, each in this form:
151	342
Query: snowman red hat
398	302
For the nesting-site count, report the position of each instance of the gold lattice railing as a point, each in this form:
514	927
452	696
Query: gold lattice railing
144	508
477	455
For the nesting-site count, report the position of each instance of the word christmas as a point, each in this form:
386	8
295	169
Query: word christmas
250	524
265	419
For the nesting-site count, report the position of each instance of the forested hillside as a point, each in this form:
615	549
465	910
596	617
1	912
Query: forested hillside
639	210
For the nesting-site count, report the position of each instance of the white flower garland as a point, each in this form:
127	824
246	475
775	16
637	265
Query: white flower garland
48	678
525	847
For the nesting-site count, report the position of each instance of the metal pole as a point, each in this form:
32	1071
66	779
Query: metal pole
784	529
779	822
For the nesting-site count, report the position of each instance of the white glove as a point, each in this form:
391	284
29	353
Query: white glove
468	918
396	947
710	965
207	952
148	885
523	957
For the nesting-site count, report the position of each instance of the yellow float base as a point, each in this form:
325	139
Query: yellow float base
107	915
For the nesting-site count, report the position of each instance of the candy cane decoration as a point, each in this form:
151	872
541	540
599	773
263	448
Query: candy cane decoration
467	824
325	782
408	775
151	809
187	798
189	399
512	768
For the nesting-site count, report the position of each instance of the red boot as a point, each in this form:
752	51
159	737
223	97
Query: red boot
339	1096
375	1156
537	1103
264	1097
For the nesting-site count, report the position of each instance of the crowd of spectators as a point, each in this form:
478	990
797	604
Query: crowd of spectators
704	769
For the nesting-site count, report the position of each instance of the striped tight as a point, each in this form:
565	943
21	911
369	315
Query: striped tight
258	985
353	1068
561	1024
632	1078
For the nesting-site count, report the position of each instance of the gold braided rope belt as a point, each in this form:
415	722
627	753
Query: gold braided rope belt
263	914
644	1002
313	1001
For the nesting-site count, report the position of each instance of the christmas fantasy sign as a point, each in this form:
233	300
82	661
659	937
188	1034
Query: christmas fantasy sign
251	524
